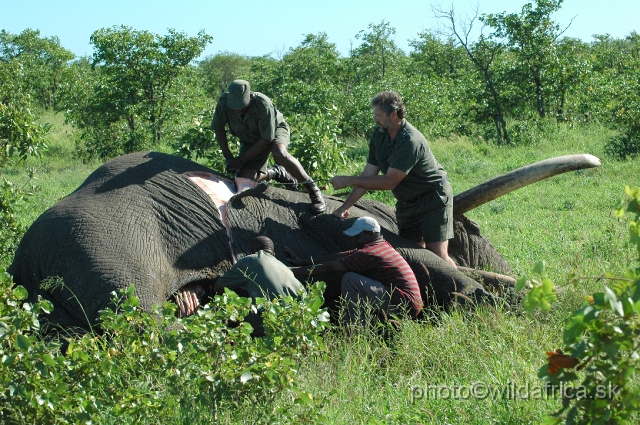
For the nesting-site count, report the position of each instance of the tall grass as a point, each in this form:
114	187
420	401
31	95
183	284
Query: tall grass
565	220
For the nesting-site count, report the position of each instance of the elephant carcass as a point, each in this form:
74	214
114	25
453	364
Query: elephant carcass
139	219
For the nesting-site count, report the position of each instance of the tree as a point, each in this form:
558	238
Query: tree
532	35
217	72
376	55
44	63
307	78
482	54
441	87
434	57
20	137
572	66
133	97
623	98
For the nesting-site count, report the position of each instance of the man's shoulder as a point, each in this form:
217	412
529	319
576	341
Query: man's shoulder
412	134
373	246
246	260
223	97
265	257
261	99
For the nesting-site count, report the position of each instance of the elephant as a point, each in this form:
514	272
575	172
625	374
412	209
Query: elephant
148	219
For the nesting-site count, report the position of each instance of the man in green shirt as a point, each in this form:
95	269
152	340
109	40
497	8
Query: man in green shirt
424	210
259	275
261	128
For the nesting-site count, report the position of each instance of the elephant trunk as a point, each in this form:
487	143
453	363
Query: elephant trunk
513	180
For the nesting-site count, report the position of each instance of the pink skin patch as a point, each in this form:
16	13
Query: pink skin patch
220	190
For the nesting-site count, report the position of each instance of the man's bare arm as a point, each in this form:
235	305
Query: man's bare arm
367	180
254	150
387	181
334	266
296	260
221	137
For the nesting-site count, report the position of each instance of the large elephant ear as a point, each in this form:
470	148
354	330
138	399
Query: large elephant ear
469	248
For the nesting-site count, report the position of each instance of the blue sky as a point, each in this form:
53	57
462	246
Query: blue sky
256	28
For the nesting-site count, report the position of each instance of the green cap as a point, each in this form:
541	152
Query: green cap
238	96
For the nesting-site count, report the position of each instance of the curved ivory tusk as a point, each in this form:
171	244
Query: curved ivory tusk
496	280
513	180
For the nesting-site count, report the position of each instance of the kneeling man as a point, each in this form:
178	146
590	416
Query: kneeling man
374	272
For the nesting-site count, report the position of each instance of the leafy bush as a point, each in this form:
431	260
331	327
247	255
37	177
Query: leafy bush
317	145
199	142
623	146
145	366
12	199
601	343
20	137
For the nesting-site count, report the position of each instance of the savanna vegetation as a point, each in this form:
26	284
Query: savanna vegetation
518	93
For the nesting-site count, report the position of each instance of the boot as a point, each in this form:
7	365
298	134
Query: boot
281	175
317	201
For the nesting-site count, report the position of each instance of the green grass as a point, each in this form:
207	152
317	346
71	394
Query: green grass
566	220
56	173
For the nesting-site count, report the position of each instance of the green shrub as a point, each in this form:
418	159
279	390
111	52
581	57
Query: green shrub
315	142
199	142
144	367
12	200
601	343
623	146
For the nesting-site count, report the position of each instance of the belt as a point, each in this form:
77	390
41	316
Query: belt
423	194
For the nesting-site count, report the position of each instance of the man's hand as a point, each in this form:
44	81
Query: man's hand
234	165
188	299
293	258
341	212
340	182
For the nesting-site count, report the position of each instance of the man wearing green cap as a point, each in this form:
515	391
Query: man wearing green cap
261	128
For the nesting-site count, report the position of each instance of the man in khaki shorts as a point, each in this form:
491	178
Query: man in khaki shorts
424	210
261	128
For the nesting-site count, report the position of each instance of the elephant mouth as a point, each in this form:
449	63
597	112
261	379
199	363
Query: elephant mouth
221	190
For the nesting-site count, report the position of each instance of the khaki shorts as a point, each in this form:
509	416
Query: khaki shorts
260	161
429	219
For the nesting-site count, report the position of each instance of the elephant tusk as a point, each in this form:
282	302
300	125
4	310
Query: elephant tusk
513	180
494	280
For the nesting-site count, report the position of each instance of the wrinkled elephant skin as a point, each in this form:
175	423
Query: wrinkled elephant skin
139	220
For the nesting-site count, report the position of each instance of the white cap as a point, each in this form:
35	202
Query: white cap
363	223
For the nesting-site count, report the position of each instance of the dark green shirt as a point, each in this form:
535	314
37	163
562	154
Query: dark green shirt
259	122
261	275
408	152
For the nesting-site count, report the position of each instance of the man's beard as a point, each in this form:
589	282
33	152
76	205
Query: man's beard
381	129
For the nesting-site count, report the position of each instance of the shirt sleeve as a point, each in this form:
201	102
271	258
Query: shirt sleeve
356	261
267	115
235	277
406	154
371	158
220	114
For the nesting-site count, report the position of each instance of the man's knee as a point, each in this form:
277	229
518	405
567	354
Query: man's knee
279	152
438	248
350	282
